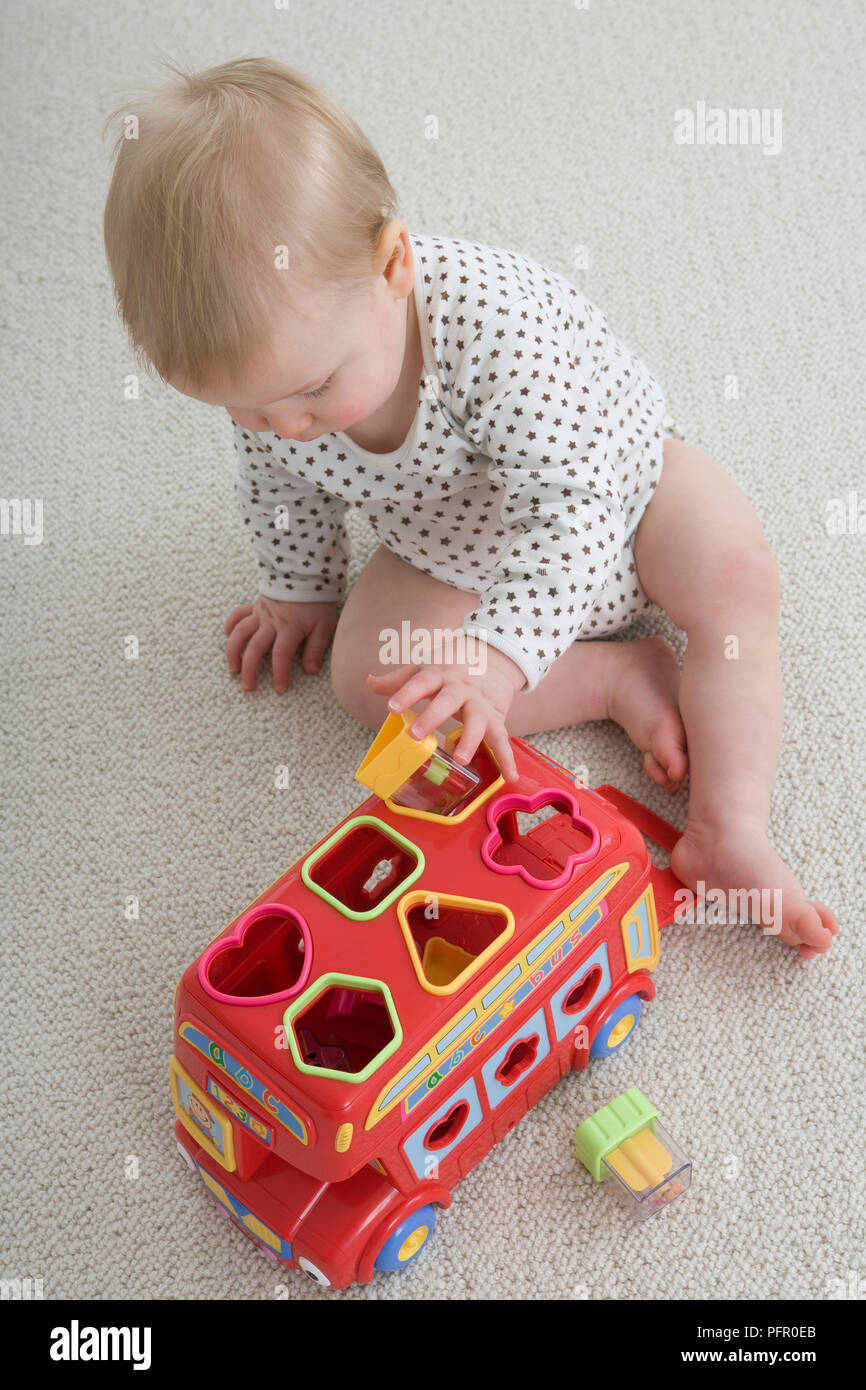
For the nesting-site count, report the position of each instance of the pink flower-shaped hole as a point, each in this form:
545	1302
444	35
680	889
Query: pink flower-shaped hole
549	854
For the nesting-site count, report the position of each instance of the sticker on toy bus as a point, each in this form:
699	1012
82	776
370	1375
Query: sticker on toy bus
228	1102
198	1116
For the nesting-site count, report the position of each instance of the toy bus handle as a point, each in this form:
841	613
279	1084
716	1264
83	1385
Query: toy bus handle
664	881
647	822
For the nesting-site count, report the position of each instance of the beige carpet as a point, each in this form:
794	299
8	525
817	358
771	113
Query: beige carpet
154	777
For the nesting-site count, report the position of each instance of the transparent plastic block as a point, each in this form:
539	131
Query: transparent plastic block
440	785
649	1170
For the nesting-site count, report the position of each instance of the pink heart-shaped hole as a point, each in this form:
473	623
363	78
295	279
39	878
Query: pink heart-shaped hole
513	802
268	956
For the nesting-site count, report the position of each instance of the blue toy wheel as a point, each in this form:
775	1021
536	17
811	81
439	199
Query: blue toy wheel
617	1027
407	1241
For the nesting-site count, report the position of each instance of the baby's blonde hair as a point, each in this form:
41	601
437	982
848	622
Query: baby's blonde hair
213	175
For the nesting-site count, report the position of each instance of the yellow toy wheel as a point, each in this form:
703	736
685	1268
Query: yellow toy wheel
409	1239
617	1027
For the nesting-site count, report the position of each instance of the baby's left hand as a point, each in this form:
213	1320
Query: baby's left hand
484	700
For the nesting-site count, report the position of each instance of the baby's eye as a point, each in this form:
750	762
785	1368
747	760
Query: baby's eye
308	395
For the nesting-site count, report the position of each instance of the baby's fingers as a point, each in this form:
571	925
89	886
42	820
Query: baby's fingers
241	632
477	725
474	727
500	746
257	647
315	647
422	685
243	610
388	682
284	648
447	702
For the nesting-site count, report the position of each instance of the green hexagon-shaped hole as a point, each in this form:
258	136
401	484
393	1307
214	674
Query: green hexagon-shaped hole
344	1026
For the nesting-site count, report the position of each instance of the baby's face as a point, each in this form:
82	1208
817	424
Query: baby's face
325	369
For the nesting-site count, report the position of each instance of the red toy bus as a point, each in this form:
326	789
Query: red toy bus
364	1033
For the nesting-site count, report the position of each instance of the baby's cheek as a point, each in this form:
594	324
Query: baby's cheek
249	420
351	411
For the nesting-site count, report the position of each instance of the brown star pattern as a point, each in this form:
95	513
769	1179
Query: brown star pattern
524	475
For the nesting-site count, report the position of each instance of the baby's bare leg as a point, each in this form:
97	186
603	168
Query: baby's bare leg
702	556
634	683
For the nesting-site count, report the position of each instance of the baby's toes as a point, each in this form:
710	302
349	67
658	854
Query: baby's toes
667	764
654	769
677	764
806	922
828	918
786	934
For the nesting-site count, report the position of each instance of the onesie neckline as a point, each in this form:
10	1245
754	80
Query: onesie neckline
429	370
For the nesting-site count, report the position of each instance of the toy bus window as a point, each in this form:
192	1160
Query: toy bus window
519	1058
451	936
363	867
267	957
446	1129
579	997
543	838
344	1029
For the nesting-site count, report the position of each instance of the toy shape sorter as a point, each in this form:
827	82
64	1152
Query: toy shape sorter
363	1034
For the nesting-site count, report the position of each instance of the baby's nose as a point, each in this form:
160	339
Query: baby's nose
290	426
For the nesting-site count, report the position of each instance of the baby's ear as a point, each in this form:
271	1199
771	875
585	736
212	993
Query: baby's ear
393	255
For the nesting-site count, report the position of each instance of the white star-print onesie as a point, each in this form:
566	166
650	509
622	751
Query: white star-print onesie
535	449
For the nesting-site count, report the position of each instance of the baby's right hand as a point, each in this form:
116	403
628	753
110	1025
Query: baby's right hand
275	626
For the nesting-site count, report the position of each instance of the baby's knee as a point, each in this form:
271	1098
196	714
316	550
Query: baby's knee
349	683
735	577
748	575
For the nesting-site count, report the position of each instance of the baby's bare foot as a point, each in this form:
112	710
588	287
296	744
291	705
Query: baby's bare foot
743	859
643	699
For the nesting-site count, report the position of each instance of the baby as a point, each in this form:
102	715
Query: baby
517	462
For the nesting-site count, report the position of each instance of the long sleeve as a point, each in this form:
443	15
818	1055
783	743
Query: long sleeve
528	403
296	528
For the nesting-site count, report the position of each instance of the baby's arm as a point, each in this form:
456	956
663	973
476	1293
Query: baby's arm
300	549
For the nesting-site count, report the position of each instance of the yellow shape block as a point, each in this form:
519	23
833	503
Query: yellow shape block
344	1137
394	755
641	1161
443	962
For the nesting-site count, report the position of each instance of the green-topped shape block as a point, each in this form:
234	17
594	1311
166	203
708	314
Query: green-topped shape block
604	1131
